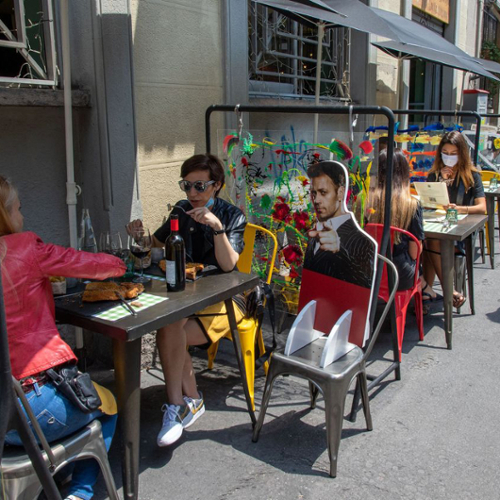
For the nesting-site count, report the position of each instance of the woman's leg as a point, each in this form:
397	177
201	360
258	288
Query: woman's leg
59	418
172	342
86	472
432	261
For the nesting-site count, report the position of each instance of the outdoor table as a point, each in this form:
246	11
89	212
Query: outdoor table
491	196
127	332
461	231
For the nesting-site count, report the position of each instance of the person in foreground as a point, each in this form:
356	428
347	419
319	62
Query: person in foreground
406	213
212	230
465	189
34	341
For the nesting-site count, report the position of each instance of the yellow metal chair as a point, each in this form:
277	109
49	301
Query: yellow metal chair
249	331
486	176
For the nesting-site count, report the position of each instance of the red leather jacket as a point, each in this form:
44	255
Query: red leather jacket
34	342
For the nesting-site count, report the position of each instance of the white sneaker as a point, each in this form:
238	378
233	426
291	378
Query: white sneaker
196	410
172	426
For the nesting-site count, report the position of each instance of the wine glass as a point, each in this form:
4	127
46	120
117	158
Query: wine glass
140	245
111	242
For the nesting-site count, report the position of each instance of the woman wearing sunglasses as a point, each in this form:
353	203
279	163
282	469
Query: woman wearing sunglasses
212	230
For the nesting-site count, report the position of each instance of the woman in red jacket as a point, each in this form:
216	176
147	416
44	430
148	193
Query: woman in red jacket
34	341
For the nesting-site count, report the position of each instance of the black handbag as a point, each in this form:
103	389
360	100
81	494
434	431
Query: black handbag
76	387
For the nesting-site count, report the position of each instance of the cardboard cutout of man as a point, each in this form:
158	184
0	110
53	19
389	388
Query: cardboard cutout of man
337	247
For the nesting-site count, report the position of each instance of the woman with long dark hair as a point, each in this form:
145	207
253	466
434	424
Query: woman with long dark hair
454	167
406	213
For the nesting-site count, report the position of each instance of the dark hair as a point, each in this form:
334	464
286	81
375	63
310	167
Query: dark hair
400	169
332	169
403	205
208	162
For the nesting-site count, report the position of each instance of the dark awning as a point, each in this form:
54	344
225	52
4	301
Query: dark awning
414	40
408	50
491	66
356	15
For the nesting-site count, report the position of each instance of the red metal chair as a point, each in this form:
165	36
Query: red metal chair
403	297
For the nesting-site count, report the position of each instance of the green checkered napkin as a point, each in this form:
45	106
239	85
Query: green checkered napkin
120	311
436	227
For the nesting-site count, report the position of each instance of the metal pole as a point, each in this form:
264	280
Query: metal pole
319	55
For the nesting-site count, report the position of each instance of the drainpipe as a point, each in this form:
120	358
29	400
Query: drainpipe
72	190
479	24
404	73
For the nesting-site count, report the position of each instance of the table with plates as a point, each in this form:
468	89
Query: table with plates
461	231
127	332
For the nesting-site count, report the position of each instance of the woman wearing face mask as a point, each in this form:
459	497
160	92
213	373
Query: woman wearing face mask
212	230
465	190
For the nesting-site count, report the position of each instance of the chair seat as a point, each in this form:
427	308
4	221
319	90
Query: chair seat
16	463
309	357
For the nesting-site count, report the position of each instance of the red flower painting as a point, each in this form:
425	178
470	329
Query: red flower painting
293	254
301	220
281	212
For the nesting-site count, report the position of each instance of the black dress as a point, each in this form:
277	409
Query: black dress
401	258
456	191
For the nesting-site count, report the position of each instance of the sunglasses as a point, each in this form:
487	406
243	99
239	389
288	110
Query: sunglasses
200	186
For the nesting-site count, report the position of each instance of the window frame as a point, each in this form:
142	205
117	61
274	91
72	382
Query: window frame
48	76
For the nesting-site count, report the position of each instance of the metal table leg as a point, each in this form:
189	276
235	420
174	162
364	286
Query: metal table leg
490	210
469	258
239	357
447	267
127	359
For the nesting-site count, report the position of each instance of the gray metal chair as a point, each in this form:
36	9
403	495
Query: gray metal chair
20	481
332	381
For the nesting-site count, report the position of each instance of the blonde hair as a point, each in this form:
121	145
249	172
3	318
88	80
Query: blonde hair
403	205
8	194
465	166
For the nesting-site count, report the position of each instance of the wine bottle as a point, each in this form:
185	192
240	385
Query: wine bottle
175	256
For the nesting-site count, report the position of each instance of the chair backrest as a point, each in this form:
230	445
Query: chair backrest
247	259
343	278
487	175
376	231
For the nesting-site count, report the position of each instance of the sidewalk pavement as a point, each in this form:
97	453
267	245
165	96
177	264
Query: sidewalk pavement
435	431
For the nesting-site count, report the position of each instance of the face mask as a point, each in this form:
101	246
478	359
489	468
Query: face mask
210	203
449	160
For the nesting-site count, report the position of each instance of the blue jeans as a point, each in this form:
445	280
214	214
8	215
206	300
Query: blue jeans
59	418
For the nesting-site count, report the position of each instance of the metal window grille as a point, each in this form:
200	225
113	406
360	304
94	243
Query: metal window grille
490	24
283	57
27	43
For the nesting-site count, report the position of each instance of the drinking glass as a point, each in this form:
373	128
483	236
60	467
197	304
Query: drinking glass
140	245
111	242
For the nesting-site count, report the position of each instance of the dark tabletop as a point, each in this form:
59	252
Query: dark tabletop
491	193
199	294
459	231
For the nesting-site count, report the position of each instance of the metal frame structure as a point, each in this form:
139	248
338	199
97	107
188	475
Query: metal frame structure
19	42
436	112
385	248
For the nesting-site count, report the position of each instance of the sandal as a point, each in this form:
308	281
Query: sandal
458	300
427	297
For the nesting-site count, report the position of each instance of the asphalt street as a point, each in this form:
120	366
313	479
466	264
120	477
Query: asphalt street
435	431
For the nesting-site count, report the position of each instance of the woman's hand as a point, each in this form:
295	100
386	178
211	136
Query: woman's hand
451	205
446	172
133	227
204	216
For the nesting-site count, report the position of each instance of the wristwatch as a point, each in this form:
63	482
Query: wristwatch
220	231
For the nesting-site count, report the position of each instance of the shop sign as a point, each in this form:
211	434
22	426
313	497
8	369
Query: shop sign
439	9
